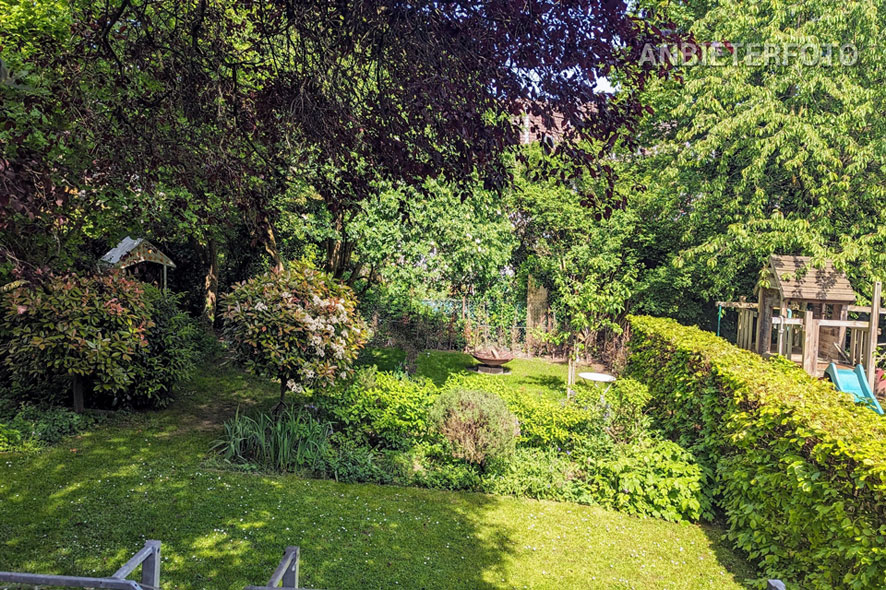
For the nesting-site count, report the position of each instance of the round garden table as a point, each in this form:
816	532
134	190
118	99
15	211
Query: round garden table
599	378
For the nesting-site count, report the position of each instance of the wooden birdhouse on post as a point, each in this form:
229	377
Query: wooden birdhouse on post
130	252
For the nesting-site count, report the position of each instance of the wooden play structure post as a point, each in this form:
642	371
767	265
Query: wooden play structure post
874	328
767	299
810	343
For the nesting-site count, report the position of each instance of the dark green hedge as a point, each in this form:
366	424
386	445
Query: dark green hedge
799	469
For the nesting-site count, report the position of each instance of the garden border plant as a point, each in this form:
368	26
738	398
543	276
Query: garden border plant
800	469
587	450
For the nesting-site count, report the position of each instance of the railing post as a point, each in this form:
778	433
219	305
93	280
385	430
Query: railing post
290	576
871	351
151	567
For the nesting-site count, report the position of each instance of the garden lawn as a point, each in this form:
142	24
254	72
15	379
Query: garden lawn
546	378
85	506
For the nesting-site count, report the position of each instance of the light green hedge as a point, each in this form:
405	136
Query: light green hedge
800	471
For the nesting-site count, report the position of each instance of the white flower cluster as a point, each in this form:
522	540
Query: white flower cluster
326	323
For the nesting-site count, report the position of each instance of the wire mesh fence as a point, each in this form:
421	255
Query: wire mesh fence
460	324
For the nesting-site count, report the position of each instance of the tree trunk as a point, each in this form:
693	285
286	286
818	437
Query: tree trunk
270	242
572	353
339	249
210	283
284	378
79	406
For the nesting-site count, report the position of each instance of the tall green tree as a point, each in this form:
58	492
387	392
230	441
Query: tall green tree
224	105
745	160
586	255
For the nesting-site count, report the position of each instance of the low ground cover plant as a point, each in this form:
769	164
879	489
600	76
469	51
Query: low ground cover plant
797	468
481	433
29	428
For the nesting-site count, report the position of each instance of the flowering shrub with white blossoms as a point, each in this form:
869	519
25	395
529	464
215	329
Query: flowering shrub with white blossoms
298	325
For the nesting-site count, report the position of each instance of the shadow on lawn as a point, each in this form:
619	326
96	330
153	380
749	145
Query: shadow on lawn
554	383
83	508
726	555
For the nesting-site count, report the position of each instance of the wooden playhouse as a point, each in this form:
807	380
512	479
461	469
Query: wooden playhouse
803	313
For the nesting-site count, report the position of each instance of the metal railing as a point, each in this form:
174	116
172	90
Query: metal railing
285	577
148	557
286	574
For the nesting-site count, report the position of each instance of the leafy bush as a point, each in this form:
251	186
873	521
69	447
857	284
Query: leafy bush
651	478
387	409
89	327
31	427
621	406
290	441
127	342
800	469
544	474
174	342
477	424
298	325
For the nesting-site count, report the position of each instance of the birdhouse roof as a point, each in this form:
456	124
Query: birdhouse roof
134	250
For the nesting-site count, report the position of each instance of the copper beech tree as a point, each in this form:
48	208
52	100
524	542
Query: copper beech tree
198	114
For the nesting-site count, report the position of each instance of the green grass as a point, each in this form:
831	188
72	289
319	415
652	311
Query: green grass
85	506
531	375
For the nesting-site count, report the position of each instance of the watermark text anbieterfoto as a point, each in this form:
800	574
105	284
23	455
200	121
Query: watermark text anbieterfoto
722	53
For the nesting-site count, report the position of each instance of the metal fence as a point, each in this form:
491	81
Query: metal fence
457	324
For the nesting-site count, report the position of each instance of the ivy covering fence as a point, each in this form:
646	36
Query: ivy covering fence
799	471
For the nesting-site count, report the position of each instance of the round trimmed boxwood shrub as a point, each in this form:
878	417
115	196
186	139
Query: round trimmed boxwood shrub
298	325
87	328
477	424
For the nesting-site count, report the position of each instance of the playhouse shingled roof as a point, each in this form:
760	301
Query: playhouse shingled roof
826	284
132	251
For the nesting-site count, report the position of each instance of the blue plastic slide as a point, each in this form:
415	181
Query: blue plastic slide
855	383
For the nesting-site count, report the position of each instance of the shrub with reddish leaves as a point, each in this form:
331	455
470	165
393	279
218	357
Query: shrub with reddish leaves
298	325
89	328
